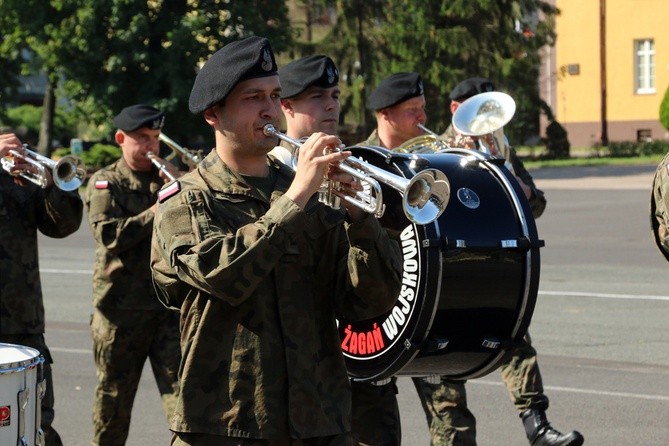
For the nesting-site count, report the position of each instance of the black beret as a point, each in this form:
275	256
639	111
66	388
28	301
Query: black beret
237	61
394	89
300	74
471	87
137	116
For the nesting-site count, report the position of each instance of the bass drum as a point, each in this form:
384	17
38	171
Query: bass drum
469	279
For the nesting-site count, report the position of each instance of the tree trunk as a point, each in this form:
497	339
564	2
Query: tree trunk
44	146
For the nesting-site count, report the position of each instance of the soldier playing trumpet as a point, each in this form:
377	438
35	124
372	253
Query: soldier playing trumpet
26	208
129	324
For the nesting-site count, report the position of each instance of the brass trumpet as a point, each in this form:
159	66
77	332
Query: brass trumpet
188	157
162	167
424	197
68	173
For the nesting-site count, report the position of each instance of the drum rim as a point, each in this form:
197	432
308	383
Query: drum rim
23	364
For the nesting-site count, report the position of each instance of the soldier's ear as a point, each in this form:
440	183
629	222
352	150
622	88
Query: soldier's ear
119	137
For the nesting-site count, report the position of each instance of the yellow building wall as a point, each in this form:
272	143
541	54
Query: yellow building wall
627	21
578	97
577	43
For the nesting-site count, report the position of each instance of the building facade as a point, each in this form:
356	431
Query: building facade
609	70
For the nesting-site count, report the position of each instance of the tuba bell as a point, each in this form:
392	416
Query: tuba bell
482	115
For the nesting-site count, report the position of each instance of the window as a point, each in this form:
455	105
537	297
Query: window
644	135
644	62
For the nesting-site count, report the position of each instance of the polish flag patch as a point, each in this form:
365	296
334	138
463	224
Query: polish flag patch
101	184
168	191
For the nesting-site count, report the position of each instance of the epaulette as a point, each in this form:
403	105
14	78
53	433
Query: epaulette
168	191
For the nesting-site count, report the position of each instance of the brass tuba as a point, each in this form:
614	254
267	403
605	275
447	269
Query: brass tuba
430	142
482	115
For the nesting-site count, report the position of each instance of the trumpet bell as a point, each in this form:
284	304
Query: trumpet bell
69	173
484	113
426	196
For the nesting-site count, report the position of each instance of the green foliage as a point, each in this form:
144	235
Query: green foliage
445	42
100	155
632	148
664	110
105	55
26	120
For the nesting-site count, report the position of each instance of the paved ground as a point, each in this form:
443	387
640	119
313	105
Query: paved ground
600	325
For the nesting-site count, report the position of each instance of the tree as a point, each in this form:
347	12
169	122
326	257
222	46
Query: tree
664	110
445	42
103	56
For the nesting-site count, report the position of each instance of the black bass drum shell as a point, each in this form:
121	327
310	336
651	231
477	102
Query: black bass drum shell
469	281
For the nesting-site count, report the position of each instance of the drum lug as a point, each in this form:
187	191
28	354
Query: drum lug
430	345
491	343
22	400
453	244
39	433
522	244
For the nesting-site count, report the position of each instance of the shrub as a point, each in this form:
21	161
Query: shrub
625	149
100	155
664	110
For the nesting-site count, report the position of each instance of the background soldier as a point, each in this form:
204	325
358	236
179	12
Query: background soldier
260	270
445	402
659	209
309	100
399	106
129	323
25	208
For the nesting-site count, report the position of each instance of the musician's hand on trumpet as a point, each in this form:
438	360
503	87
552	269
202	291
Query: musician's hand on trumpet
10	146
317	160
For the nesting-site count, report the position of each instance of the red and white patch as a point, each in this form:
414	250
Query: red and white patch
5	415
168	191
101	184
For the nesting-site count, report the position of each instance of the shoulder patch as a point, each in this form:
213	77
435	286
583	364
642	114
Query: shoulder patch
101	184
168	191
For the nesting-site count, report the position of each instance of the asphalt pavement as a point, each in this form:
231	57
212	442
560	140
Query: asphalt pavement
599	326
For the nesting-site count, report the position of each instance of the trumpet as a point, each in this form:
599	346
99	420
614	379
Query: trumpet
424	197
68	173
162	167
189	158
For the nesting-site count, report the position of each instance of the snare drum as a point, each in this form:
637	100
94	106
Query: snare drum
21	391
469	279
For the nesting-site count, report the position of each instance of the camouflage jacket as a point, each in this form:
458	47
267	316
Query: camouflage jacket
259	285
659	207
118	202
24	210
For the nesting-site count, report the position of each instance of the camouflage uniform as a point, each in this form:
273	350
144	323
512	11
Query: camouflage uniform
23	211
376	414
129	324
659	209
260	283
445	402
